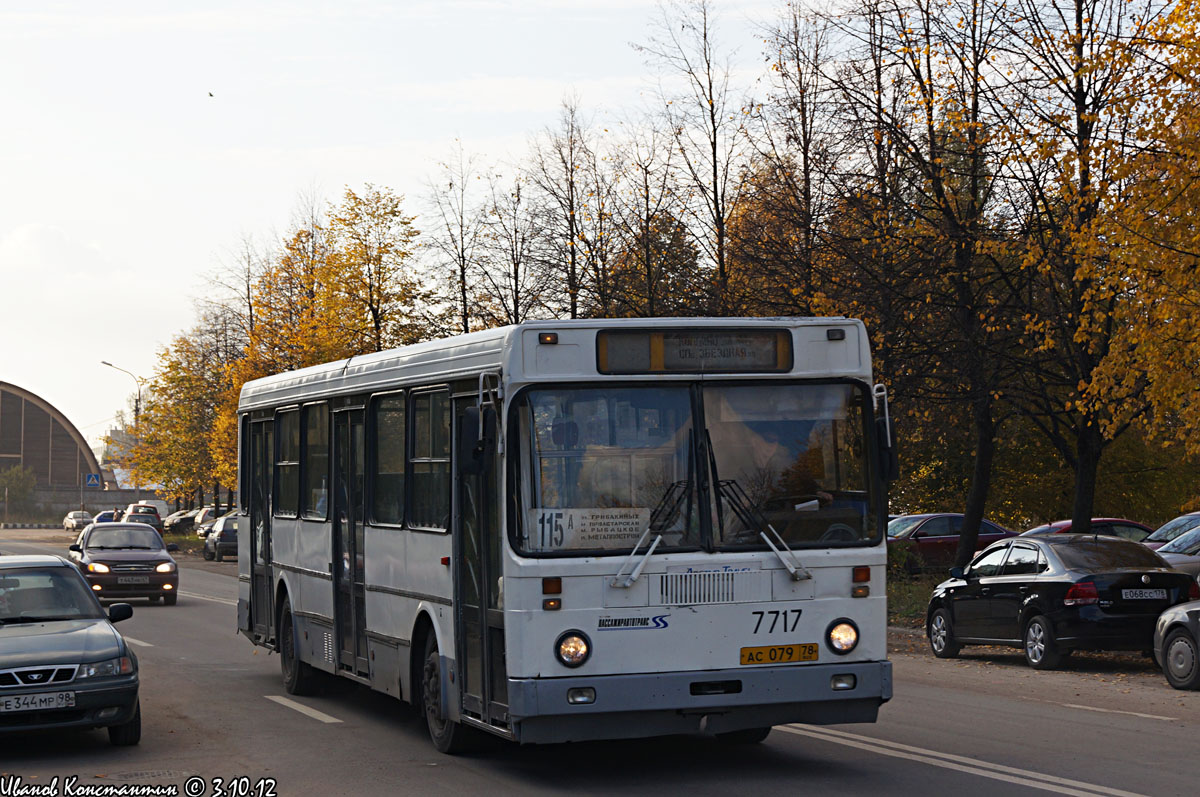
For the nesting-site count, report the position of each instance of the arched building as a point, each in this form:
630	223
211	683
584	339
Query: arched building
36	435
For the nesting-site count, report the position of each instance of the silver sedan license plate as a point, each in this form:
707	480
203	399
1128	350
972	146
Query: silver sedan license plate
1144	594
37	702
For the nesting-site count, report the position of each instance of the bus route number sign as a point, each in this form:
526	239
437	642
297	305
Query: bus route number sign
587	527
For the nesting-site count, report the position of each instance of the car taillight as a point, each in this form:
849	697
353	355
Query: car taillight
1194	591
1081	594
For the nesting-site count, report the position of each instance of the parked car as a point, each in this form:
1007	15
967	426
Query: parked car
1183	552
107	516
1172	529
933	538
205	517
126	560
1177	645
143	511
1050	594
180	522
62	664
1104	526
203	529
222	540
159	506
74	521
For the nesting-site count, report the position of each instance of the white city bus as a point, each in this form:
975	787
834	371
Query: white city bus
573	530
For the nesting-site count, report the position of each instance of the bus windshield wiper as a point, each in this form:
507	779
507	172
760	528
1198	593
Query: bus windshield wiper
752	519
663	515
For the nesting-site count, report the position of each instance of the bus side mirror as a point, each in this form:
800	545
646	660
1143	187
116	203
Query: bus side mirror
889	462
475	450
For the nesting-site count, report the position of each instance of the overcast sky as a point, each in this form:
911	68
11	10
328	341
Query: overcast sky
124	184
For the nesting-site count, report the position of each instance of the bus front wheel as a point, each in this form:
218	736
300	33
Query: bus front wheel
447	736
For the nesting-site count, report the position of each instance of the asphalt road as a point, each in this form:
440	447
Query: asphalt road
214	708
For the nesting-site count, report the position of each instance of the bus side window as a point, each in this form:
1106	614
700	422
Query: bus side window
387	419
287	465
429	463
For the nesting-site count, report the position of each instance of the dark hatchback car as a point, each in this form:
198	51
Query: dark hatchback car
1054	593
1104	526
127	560
933	538
62	664
222	540
180	522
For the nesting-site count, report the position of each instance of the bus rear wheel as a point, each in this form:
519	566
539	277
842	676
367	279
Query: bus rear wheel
447	736
298	678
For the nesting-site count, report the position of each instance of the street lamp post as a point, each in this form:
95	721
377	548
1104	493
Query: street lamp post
137	409
137	403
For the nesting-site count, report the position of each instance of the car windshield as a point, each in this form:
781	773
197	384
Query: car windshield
1173	528
1186	543
1089	553
147	539
601	466
902	527
42	594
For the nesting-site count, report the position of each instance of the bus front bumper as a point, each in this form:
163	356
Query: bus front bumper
708	701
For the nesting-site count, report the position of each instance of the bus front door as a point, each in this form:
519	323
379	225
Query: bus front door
349	463
262	465
480	618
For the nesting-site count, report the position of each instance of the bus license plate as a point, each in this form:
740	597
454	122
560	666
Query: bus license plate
38	702
133	579
780	654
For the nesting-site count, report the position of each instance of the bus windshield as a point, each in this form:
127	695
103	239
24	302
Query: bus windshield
601	466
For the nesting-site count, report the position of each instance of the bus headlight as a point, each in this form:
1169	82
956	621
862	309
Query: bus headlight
842	636
573	648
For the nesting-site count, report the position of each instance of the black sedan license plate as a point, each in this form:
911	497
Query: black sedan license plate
779	654
38	702
1144	594
133	579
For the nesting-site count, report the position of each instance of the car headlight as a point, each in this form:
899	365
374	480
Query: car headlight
842	636
98	567
106	669
573	648
165	567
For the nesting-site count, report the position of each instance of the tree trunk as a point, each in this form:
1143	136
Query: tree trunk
985	454
1090	446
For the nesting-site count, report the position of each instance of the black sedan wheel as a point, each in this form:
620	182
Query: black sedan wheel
1181	664
941	636
208	555
1041	651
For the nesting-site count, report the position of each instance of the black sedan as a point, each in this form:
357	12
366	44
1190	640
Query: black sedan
180	522
62	664
125	560
1054	593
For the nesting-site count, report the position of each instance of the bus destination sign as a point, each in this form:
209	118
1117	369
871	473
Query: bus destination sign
693	351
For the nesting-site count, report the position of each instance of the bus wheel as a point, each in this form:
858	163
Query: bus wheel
298	677
745	736
448	736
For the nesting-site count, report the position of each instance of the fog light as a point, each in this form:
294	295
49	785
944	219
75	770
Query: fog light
105	713
97	587
573	648
841	682
580	695
168	586
842	636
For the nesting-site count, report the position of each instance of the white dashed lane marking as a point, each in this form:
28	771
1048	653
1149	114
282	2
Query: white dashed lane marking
320	716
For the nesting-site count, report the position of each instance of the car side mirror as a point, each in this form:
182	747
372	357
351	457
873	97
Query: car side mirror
957	572
75	547
119	611
172	547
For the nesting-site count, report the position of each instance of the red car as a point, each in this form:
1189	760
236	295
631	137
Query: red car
1104	526
933	538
